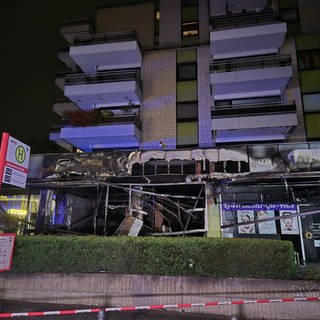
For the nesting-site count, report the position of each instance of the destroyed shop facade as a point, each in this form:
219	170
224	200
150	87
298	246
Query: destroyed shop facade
222	192
183	118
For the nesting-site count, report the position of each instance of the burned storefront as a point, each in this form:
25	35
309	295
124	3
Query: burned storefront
260	191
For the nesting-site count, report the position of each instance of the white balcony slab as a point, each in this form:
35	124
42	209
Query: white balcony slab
109	93
107	56
251	40
255	121
250	81
253	128
102	136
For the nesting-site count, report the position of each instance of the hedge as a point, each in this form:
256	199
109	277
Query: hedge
159	256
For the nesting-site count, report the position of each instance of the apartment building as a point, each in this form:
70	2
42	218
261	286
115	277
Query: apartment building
190	117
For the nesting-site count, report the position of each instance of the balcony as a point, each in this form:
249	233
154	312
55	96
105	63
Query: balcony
246	34
253	122
106	51
114	131
112	88
70	29
63	106
64	56
249	77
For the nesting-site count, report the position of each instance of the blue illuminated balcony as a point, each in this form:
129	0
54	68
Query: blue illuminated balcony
258	76
116	129
110	88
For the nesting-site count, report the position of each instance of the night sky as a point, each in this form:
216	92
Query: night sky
30	40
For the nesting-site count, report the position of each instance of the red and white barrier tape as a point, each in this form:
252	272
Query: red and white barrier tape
156	307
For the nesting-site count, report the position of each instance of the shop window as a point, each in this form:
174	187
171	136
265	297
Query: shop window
186	71
187	133
187	91
311	102
187	111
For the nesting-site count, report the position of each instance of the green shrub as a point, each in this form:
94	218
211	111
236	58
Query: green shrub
160	256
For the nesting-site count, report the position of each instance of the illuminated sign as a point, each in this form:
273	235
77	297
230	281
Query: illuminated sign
14	161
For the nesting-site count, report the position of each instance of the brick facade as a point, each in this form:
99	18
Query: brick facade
158	109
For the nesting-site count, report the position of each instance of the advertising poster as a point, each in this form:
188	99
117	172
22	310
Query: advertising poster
6	250
268	227
246	216
289	225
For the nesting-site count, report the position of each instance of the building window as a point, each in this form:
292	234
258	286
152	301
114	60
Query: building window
187	71
312	125
309	59
187	98
187	111
187	91
310	81
156	21
187	134
189	20
311	102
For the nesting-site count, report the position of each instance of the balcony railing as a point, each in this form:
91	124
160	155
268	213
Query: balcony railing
114	119
250	63
103	77
85	39
243	19
252	109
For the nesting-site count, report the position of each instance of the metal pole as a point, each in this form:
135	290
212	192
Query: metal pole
106	211
102	314
303	253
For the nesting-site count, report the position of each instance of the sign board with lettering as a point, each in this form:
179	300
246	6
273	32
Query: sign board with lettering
6	250
14	161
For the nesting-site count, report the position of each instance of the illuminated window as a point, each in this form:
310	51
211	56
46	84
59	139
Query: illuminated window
189	20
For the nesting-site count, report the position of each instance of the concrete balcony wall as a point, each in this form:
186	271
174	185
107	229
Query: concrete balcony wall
246	83
61	108
107	56
247	41
257	121
100	136
110	93
218	7
266	127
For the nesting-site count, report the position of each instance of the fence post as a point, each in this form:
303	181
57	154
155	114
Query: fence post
101	314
